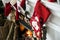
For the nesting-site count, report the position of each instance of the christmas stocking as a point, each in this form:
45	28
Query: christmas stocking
40	16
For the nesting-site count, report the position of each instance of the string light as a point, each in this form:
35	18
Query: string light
29	33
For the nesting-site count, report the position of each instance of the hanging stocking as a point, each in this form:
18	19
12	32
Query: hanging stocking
40	15
7	9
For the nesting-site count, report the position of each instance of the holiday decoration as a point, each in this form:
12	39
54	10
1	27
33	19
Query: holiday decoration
23	5
17	14
29	33
22	27
40	16
8	7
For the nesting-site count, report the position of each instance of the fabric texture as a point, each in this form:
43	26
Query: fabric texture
40	16
7	9
17	14
23	4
